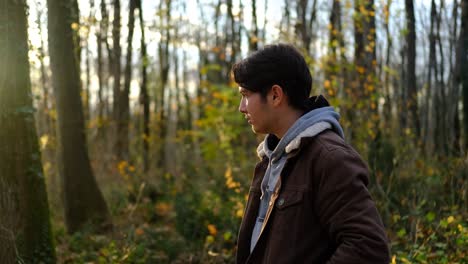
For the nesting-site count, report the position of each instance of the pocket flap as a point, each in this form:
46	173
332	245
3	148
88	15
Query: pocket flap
287	199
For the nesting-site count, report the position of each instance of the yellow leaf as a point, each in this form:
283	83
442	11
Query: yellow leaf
450	219
209	239
240	213
44	140
75	26
139	231
162	208
212	229
122	166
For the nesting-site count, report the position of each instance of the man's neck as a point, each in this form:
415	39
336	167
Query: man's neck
285	121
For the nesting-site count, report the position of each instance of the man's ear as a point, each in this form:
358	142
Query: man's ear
277	94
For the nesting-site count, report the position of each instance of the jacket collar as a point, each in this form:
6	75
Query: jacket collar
312	103
295	143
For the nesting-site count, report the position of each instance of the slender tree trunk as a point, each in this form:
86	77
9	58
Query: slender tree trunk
144	97
363	87
387	109
163	52
83	201
253	35
304	25
105	89
452	114
86	88
123	112
336	72
45	122
285	24
116	71
25	230
463	77
188	103
440	95
429	133
265	21
412	93
100	75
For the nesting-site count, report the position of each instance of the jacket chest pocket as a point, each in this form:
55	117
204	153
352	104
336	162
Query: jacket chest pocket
288	199
288	210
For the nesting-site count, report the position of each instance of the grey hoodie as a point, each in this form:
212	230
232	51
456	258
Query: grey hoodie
313	122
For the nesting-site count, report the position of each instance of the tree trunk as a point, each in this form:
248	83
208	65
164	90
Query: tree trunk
412	93
304	25
387	109
25	230
429	126
253	35
452	114
144	91
285	24
440	95
188	103
163	52
123	111
363	87
335	67
116	70
100	75
83	201
103	75
463	77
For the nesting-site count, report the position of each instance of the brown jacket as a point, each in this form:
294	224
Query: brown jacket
320	211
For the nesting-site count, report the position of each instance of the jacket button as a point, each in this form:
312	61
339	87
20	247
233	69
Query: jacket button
281	202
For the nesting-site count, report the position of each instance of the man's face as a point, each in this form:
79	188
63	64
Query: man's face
256	110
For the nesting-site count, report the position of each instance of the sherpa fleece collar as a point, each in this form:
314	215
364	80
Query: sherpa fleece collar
311	131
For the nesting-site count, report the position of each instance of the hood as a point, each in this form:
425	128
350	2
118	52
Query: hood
319	117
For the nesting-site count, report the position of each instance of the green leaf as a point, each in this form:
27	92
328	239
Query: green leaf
401	233
227	236
430	216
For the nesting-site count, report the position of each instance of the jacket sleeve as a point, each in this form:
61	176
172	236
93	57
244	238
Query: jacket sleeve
345	207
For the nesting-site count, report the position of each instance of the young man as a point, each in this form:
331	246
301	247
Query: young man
308	202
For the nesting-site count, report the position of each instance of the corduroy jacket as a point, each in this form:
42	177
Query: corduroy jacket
320	211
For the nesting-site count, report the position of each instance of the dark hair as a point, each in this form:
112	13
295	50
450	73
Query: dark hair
280	64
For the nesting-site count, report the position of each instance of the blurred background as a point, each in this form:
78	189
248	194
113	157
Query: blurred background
144	154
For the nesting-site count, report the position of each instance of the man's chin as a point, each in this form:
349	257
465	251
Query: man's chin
256	130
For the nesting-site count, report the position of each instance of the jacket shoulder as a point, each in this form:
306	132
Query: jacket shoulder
329	146
327	141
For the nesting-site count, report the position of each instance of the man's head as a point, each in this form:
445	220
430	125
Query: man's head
279	64
275	83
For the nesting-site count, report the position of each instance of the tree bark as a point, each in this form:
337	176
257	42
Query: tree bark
123	111
254	36
83	201
463	64
432	71
100	34
304	25
387	109
144	97
163	52
116	69
412	93
25	230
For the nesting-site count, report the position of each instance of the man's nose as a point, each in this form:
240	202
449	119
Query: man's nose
242	108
